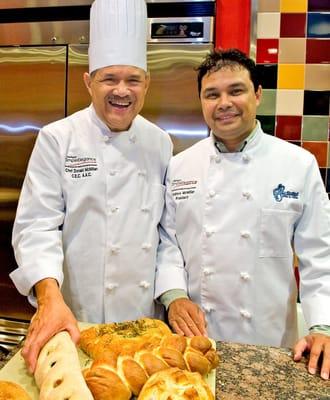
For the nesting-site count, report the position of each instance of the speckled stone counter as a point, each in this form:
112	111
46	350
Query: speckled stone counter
265	373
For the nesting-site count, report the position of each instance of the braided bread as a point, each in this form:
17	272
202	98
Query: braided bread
126	336
12	391
176	384
58	374
121	371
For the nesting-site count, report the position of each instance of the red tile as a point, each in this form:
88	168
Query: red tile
320	151
267	51
317	51
288	127
293	25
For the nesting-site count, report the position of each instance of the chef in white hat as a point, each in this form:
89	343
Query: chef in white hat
85	235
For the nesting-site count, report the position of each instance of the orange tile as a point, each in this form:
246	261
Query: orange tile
287	6
291	76
320	151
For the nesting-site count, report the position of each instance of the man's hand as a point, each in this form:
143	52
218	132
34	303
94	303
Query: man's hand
186	318
315	344
52	316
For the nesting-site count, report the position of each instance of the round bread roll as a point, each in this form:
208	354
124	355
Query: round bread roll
176	384
12	391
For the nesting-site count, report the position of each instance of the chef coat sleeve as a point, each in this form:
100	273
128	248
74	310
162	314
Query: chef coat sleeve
37	238
170	271
312	246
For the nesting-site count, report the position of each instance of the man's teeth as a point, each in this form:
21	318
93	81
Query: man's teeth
120	103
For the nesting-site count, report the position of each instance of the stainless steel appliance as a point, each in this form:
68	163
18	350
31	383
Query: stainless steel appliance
43	54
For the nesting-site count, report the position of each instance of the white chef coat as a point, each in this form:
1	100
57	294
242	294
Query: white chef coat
226	238
88	215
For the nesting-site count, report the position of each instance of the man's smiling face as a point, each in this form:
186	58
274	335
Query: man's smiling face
118	94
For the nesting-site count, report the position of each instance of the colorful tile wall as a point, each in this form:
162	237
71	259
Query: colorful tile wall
293	58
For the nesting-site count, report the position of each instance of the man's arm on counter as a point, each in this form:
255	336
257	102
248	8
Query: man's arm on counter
52	316
185	317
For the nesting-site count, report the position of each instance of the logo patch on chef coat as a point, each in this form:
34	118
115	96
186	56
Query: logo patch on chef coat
279	193
182	190
80	167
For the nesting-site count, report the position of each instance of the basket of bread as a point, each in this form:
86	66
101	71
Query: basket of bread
139	359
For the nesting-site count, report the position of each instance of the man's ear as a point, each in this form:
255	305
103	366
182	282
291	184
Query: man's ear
147	81
259	95
88	81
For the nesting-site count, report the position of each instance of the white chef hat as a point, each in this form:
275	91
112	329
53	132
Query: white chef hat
118	34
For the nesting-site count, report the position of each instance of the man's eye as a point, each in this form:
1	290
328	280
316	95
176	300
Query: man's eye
211	95
236	92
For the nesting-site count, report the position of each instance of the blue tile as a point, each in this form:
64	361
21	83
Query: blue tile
318	25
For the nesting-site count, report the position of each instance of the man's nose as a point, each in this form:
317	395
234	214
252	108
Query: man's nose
224	101
121	89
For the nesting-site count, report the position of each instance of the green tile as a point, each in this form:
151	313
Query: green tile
267	123
315	128
268	102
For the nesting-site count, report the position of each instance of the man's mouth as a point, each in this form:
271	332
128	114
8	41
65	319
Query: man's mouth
226	116
119	103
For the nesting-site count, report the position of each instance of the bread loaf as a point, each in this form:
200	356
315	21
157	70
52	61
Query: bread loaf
12	391
119	375
176	384
125	336
58	374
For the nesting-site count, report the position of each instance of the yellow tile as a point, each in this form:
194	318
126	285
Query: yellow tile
293	6
291	76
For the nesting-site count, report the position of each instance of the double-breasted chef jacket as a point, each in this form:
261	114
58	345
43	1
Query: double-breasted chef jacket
227	234
88	215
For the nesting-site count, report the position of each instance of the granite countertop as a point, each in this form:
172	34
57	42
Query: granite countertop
257	372
265	373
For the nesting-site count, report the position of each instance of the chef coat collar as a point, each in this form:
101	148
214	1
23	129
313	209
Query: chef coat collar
222	147
106	131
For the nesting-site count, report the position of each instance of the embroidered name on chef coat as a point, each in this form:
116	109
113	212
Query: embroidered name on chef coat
279	193
182	190
80	167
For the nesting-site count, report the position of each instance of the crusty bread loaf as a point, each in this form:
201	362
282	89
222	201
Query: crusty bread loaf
118	375
58	374
12	391
125	336
176	384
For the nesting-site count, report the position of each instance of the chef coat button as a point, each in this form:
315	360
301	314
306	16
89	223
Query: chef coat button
246	157
246	194
217	159
106	138
208	308
144	284
114	209
115	249
112	286
145	209
207	271
245	314
132	138
245	234
245	276
212	193
113	172
146	246
142	172
209	232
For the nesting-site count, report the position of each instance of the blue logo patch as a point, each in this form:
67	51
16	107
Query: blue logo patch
280	192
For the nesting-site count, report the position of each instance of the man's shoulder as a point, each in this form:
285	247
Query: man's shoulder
74	119
148	126
197	149
284	148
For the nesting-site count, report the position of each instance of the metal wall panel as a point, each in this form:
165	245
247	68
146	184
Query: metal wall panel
32	94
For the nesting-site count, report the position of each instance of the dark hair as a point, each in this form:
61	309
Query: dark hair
218	59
